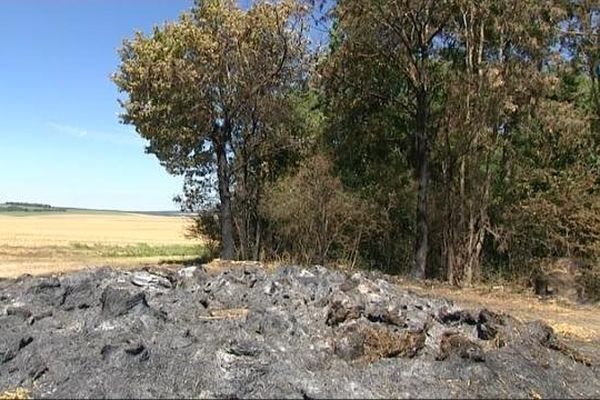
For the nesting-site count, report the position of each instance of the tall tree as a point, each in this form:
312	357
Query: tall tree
546	202
581	36
497	58
402	38
206	89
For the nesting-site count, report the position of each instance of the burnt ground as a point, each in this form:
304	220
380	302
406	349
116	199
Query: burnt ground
291	333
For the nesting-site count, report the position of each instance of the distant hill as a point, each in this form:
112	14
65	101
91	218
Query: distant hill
37	205
29	207
25	208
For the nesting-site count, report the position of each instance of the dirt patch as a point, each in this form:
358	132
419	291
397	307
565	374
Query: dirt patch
245	332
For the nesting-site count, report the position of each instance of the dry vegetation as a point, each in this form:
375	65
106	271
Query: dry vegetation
39	244
17	394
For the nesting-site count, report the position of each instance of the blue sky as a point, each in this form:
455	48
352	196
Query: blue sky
60	138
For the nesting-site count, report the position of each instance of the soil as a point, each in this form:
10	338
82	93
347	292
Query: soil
246	332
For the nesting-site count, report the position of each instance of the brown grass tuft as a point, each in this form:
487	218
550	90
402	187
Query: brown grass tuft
384	343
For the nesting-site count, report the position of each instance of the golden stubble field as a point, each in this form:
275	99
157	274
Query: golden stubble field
48	243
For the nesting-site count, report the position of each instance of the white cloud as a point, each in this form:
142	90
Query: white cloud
69	130
121	138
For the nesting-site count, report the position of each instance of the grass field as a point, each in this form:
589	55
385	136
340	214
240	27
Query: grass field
39	243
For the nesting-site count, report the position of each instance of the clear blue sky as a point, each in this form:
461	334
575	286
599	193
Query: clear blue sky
60	138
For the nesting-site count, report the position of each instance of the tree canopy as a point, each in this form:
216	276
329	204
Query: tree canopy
209	90
454	139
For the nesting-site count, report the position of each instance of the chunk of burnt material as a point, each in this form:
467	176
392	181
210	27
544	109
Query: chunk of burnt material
487	325
459	317
107	350
243	348
138	349
348	285
38	317
25	341
117	302
45	284
146	279
10	348
453	343
350	345
548	339
37	368
18	312
387	317
78	295
339	313
8	351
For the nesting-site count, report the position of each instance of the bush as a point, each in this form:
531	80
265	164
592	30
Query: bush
205	224
590	283
313	219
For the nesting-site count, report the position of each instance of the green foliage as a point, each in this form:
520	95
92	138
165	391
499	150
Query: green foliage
481	116
549	205
211	94
216	65
513	163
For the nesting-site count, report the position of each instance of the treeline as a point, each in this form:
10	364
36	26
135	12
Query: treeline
28	207
455	139
17	204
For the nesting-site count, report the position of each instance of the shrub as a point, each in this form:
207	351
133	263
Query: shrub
313	219
205	224
590	283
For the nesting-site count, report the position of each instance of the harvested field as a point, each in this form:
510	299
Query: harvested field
49	243
246	332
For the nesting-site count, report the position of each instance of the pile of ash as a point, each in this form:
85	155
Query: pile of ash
247	333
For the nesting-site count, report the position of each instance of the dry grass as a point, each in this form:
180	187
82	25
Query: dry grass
227	313
17	394
51	243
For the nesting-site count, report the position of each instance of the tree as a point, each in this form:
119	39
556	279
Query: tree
462	80
401	38
497	59
581	36
208	90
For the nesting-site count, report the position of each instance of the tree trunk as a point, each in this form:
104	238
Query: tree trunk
448	255
468	273
257	240
225	215
422	169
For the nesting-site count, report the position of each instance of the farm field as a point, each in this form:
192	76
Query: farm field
40	243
